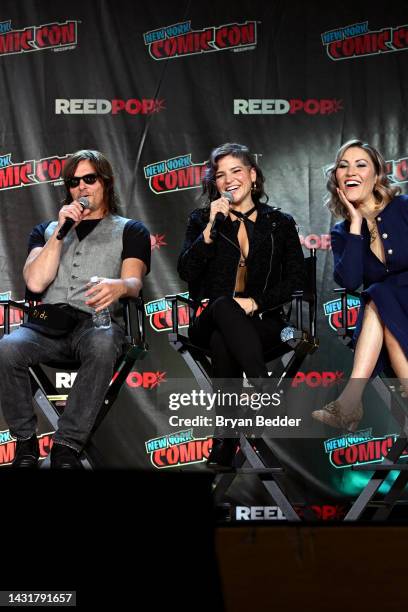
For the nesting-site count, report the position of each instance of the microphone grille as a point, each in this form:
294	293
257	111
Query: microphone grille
228	195
84	202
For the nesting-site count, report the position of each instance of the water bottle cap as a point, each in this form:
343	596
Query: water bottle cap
94	279
287	333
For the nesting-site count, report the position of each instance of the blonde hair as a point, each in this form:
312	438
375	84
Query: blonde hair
383	191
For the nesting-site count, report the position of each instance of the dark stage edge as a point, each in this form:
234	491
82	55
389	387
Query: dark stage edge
302	567
117	538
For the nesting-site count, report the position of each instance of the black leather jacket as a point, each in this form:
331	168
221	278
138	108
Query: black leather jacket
275	260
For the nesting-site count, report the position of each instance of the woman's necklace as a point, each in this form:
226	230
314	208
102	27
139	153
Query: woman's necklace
371	219
373	231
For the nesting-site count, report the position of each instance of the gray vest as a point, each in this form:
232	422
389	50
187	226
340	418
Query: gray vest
99	254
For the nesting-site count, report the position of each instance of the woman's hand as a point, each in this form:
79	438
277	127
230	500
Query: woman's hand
221	205
355	215
247	304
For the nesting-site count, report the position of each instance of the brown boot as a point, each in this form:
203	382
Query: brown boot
333	414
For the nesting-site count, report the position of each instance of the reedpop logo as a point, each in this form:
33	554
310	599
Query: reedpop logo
131	106
318	379
311	106
157	241
146	380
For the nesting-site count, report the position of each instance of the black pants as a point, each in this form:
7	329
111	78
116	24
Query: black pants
237	342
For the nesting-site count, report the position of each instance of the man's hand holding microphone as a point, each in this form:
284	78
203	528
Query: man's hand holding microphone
71	215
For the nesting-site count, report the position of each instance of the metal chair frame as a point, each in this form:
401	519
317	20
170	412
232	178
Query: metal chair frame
43	388
399	410
256	452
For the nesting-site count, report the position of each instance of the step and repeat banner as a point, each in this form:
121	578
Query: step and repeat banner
155	86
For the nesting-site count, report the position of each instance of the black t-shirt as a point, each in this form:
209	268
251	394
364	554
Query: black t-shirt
136	238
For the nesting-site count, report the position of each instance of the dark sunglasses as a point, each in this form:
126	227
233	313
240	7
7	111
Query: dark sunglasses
89	179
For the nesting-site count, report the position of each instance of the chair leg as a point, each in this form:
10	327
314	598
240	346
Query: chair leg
375	482
259	468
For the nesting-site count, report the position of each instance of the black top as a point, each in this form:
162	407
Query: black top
249	226
136	238
275	267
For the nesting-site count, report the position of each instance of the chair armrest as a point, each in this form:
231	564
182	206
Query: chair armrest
7	305
344	331
348	291
134	316
174	300
307	295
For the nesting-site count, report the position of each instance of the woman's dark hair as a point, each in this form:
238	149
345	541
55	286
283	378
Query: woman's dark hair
102	168
241	152
383	191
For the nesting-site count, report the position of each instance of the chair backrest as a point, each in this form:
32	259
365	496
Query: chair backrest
307	294
310	290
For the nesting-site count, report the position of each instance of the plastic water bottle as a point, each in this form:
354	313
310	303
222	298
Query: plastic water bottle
101	319
287	333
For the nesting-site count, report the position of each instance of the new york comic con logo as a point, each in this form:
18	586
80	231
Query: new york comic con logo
357	40
55	36
333	311
175	174
16	316
178	449
8	446
32	172
160	315
397	170
179	40
359	448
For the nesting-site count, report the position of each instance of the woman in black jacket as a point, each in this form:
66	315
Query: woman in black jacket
245	258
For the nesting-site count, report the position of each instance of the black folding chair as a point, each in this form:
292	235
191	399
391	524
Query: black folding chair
45	394
399	410
255	456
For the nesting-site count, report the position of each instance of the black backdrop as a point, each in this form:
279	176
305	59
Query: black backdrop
293	81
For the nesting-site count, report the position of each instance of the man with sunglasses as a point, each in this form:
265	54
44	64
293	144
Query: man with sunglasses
101	243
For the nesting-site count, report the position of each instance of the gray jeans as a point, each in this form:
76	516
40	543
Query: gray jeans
96	349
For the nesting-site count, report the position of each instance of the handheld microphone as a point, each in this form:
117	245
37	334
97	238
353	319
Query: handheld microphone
220	217
68	223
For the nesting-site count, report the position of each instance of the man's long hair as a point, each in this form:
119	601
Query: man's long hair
102	168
